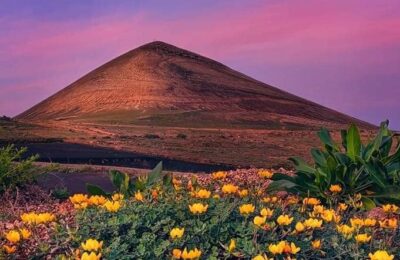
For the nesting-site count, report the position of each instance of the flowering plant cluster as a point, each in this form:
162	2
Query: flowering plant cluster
16	238
216	221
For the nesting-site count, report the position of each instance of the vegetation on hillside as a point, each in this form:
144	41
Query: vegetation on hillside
15	171
370	171
335	209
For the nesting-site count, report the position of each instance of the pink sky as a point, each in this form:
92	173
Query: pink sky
342	54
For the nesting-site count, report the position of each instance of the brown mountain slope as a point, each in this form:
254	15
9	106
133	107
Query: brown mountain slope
158	83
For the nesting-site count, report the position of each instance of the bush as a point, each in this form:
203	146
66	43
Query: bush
151	136
141	228
15	171
370	170
181	136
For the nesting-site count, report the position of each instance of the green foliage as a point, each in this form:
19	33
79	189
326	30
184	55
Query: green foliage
15	171
371	170
127	185
140	230
60	193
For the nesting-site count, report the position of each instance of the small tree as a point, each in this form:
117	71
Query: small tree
15	171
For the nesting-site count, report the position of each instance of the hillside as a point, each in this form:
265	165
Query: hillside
158	83
165	102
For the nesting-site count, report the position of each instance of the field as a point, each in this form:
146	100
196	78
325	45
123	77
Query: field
344	205
230	147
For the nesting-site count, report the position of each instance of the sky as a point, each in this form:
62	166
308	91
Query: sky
341	54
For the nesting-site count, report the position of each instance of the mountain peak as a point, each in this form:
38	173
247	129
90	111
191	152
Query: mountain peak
158	45
182	87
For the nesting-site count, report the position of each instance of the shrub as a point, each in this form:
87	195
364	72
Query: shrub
141	229
151	136
15	171
127	185
369	170
181	136
60	193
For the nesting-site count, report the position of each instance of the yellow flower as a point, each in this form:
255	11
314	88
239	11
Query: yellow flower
356	222
230	189
112	206
243	193
198	208
176	233
92	245
117	196
380	255
342	207
45	217
284	220
154	194
13	236
345	229
33	218
78	198
246	209
192	254
216	196
390	208
369	222
363	238
265	174
176	253
232	245
294	249
283	247
259	221
28	218
139	196
266	212
25	233
329	214
388	223
313	223
318	209
82	205
259	257
270	199
311	201
299	227
277	249
203	194
220	175
292	200
335	188
10	249
91	256
316	244
97	200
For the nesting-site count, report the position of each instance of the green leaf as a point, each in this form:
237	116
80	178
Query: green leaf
95	190
280	176
117	178
319	157
368	203
376	173
343	134
280	185
155	174
302	166
378	141
326	139
353	142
